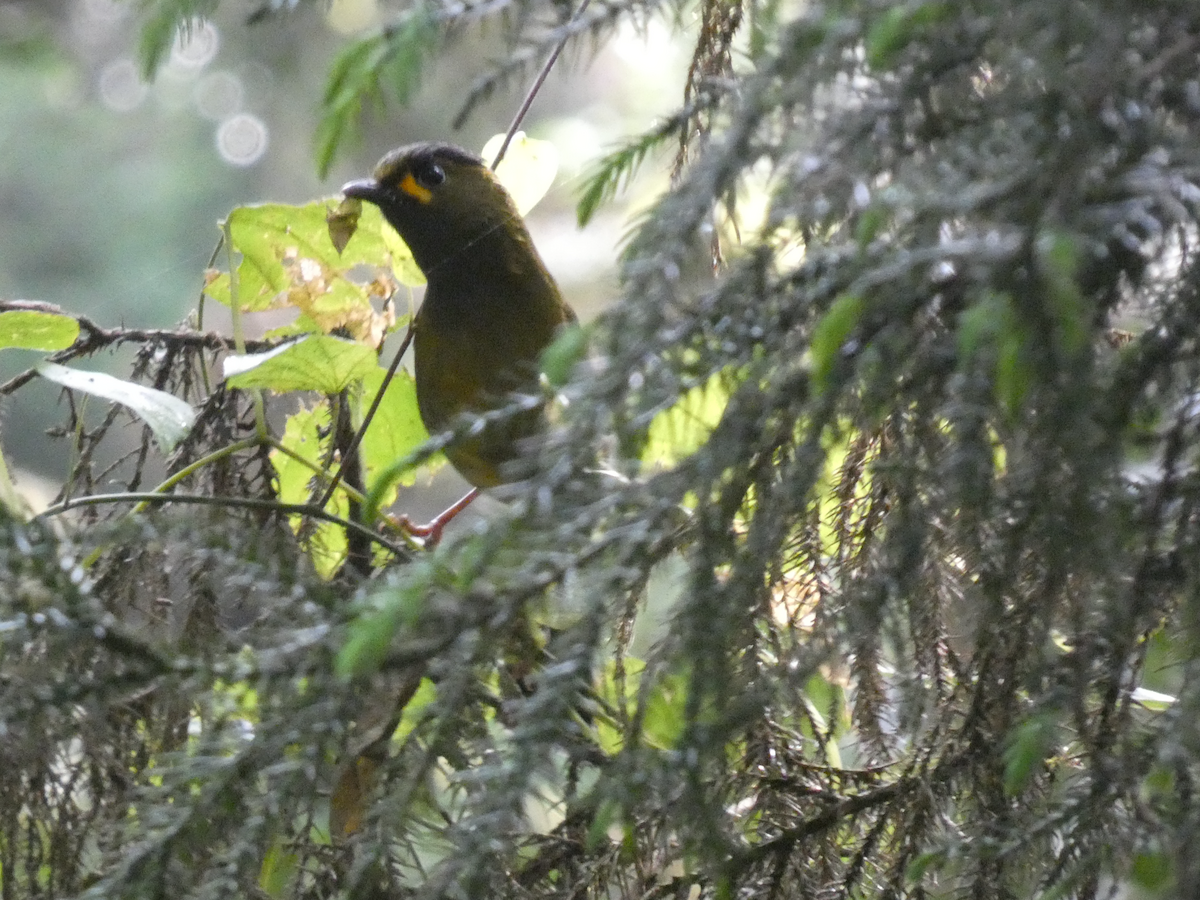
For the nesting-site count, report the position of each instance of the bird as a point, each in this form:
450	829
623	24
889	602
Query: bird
491	307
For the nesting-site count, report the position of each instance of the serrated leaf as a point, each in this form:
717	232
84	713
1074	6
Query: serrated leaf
527	170
395	431
302	436
33	330
167	416
315	363
288	258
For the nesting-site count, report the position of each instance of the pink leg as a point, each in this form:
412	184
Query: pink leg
431	532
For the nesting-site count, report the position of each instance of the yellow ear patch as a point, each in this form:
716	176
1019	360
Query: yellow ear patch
409	185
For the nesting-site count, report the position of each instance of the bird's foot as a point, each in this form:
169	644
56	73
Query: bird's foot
430	533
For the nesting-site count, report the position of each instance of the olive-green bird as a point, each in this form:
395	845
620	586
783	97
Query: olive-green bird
490	307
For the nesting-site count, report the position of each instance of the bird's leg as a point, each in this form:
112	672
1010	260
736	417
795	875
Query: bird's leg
431	532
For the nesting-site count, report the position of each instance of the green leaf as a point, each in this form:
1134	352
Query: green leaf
1159	784
302	436
608	734
1030	744
564	353
1013	371
664	699
158	35
353	76
288	260
335	126
666	704
1152	870
916	870
33	330
394	57
315	363
279	867
616	169
991	326
11	502
354	69
409	43
898	27
1058	256
830	334
414	709
396	429
167	416
823	697
367	645
681	430
869	224
607	814
980	324
371	634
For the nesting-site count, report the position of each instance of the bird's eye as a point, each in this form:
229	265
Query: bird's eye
431	175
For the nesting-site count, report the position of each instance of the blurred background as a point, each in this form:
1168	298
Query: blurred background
111	188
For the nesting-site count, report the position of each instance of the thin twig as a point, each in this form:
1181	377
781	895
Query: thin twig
370	414
537	86
300	509
95	337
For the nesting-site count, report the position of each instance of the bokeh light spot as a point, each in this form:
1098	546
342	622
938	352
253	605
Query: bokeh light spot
196	46
242	139
121	87
352	16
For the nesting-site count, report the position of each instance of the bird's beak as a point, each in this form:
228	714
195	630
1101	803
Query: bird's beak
364	189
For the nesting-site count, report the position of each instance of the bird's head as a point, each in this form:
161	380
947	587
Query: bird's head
440	198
